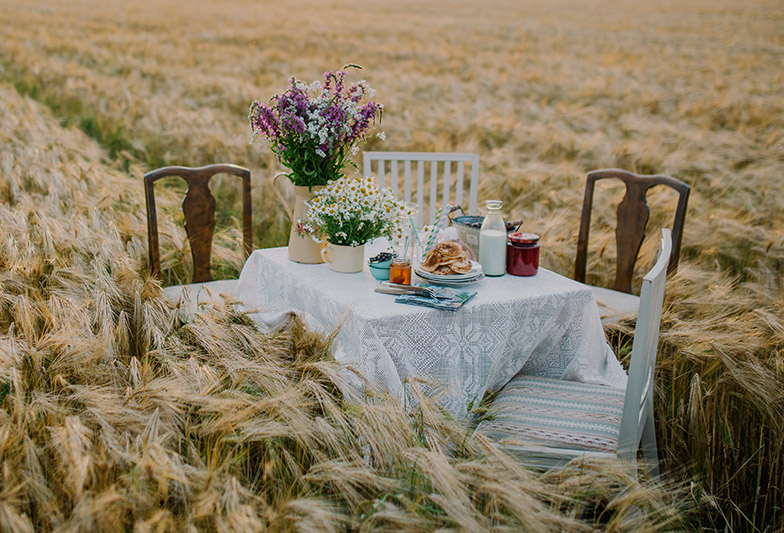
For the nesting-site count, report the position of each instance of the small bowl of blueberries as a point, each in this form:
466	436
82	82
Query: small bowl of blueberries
379	265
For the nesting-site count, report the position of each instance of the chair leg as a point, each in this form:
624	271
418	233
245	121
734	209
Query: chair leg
648	442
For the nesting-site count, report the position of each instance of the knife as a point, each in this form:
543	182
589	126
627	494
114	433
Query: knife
392	290
438	293
410	289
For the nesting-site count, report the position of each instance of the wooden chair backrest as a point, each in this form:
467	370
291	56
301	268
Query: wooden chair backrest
198	206
430	194
632	216
638	402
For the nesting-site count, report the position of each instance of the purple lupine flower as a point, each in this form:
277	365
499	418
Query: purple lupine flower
293	123
338	78
366	114
263	120
356	93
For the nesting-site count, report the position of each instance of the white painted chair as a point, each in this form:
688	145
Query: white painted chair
438	190
548	422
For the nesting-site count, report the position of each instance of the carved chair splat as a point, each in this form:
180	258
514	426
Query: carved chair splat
632	216
198	206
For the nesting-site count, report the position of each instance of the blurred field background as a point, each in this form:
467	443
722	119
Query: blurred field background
543	91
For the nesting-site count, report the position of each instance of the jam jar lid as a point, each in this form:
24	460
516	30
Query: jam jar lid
524	238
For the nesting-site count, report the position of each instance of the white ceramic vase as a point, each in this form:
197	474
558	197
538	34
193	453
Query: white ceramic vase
342	258
302	248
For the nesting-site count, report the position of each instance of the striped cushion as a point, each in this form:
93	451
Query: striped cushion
558	413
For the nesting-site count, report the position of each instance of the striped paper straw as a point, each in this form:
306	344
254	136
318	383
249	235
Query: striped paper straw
433	232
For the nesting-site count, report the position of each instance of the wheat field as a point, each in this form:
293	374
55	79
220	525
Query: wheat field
116	414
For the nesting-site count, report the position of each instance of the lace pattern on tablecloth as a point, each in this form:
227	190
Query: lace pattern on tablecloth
550	327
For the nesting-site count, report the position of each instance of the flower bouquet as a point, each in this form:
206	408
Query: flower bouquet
351	211
314	130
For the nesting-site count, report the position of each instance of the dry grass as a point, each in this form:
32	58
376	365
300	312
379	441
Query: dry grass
116	415
544	92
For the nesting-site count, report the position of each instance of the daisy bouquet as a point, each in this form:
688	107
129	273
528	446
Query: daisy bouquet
353	210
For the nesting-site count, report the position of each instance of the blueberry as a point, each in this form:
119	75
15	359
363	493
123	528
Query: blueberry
381	257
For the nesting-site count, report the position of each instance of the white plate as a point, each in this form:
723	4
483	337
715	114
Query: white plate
475	272
454	284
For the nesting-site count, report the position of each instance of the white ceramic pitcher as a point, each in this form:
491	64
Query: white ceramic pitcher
302	248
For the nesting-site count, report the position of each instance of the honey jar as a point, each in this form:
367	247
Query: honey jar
522	254
400	271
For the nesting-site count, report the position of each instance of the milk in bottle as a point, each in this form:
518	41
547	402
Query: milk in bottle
492	241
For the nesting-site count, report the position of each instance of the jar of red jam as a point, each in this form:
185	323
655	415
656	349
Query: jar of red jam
522	254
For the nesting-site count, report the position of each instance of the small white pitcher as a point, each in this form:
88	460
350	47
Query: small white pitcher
342	258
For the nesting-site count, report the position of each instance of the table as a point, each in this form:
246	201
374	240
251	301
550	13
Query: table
545	325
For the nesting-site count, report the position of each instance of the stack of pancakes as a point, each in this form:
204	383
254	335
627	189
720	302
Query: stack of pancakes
447	258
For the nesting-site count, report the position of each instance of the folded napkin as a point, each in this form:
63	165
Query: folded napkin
441	298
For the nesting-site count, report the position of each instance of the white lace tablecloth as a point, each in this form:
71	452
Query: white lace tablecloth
546	325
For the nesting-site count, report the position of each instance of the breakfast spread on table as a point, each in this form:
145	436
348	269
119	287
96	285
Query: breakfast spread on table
449	265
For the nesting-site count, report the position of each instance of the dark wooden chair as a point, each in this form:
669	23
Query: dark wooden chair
199	209
632	217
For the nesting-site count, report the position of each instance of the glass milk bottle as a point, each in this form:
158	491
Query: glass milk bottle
492	241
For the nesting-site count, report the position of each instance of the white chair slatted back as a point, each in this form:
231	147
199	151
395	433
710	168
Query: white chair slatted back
435	160
637	428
